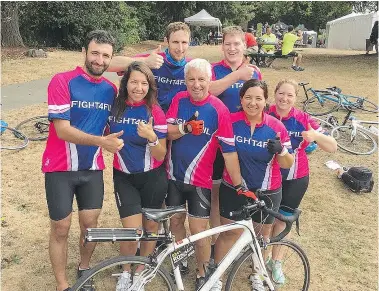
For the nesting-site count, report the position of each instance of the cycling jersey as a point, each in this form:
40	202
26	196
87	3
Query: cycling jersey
190	158
170	80
86	102
296	122
135	156
230	97
259	168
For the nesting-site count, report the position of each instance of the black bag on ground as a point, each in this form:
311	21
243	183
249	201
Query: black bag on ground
358	179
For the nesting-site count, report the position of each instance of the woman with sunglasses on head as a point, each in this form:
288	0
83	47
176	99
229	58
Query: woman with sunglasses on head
139	178
263	147
303	130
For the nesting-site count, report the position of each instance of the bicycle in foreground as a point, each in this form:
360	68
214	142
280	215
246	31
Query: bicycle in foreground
244	259
322	102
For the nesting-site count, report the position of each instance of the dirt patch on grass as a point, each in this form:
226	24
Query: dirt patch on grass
337	230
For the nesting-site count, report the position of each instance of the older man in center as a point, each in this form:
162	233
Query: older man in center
198	123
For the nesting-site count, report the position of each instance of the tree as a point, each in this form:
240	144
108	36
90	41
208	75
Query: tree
364	6
10	30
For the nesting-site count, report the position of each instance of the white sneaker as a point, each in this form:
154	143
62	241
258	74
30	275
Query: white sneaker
217	286
256	283
137	281
124	282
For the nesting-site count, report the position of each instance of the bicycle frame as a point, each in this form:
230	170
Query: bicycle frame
355	123
248	237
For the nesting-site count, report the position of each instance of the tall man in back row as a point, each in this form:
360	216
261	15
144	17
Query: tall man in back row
79	104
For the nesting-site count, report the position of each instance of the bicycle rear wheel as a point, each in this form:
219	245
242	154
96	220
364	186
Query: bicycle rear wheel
12	139
105	278
362	104
35	128
360	144
295	267
321	104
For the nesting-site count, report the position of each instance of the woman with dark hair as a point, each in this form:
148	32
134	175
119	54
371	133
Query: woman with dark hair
139	178
263	147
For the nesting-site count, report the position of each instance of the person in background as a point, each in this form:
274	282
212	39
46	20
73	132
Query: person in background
374	37
303	130
139	176
263	147
288	43
268	37
250	40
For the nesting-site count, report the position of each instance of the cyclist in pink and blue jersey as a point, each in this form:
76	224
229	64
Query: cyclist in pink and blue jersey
227	80
79	104
302	130
263	147
198	123
140	179
169	76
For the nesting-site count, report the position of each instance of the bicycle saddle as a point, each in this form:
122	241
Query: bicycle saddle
159	215
303	83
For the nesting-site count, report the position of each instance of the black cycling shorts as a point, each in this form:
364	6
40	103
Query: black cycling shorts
293	193
141	190
87	186
198	199
231	201
291	54
218	166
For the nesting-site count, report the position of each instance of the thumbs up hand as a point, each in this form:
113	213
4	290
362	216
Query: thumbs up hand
194	126
310	134
274	146
112	143
146	130
154	60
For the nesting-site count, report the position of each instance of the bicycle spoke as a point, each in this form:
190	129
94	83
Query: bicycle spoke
361	143
294	267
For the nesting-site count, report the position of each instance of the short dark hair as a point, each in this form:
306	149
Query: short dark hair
254	83
99	36
290	27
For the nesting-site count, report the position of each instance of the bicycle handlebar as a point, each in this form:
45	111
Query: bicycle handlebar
261	205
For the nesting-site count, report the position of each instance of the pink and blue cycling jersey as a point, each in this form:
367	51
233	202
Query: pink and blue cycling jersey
190	158
86	102
296	122
230	97
169	78
259	168
135	156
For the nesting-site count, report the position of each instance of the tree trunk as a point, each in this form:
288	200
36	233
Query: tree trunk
10	31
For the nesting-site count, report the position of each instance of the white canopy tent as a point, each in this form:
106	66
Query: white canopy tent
203	18
350	31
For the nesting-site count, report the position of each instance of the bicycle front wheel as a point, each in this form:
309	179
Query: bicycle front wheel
12	139
35	128
321	104
294	265
362	104
104	276
359	143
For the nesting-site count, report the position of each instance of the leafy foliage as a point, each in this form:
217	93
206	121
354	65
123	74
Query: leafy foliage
65	24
